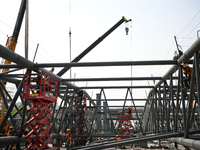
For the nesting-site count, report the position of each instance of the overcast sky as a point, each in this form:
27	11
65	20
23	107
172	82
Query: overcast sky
151	36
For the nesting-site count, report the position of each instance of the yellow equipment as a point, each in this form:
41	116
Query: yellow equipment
11	44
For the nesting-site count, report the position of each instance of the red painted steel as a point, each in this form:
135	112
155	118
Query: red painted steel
125	126
41	90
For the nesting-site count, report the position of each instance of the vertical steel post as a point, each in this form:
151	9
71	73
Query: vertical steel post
183	96
190	101
105	121
172	103
111	119
157	111
197	80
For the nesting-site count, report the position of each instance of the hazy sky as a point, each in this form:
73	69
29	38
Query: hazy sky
151	36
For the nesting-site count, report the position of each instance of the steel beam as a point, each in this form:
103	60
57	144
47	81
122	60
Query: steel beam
87	50
117	63
195	144
98	64
116	87
113	79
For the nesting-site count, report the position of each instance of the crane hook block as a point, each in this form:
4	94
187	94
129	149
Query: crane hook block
126	29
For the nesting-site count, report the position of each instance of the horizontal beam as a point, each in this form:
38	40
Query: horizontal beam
120	63
117	87
121	99
98	64
139	106
115	79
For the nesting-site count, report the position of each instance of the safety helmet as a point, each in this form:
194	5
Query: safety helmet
68	130
38	71
11	127
85	130
184	65
116	135
26	129
44	127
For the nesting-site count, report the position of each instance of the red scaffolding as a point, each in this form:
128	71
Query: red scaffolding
80	104
41	90
125	125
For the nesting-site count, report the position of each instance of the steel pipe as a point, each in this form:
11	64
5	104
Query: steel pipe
116	87
11	140
13	57
186	142
113	79
120	63
98	64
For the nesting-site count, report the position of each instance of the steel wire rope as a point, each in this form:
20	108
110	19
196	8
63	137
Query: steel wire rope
6	24
163	67
186	37
189	23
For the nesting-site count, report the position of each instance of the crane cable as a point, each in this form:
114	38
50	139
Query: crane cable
70	53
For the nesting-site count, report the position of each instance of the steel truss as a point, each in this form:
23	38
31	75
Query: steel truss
168	107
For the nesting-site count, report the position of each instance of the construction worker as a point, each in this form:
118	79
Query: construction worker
11	132
61	139
68	138
81	93
90	138
45	136
38	81
52	69
129	110
187	71
84	139
118	138
26	131
135	131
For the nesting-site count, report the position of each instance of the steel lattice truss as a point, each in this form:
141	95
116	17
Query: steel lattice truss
169	111
168	108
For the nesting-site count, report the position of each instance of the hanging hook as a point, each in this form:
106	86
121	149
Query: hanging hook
126	29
